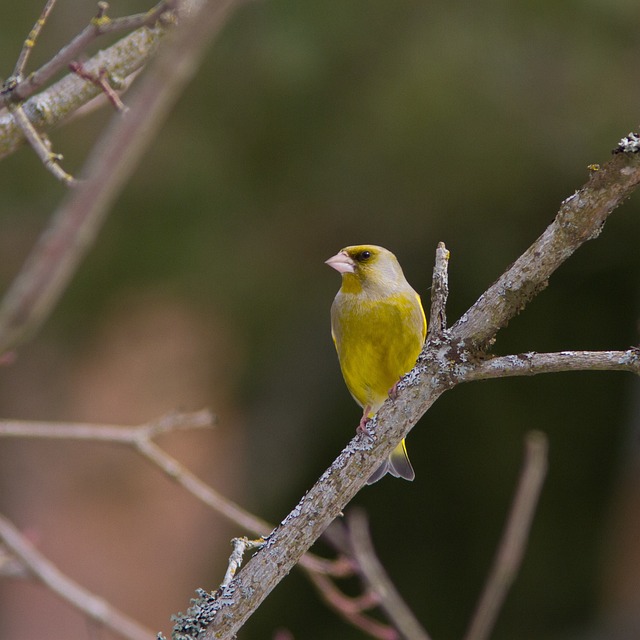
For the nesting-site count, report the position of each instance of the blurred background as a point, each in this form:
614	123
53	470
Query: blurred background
312	126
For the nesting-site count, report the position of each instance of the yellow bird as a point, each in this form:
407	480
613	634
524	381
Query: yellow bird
378	326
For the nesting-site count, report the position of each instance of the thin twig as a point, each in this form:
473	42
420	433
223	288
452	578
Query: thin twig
94	607
511	549
378	581
439	294
48	158
29	43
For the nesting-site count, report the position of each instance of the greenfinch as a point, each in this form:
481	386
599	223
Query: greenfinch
378	327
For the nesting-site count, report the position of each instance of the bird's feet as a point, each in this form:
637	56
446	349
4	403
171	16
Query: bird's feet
362	425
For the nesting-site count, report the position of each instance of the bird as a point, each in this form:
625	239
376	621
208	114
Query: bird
378	328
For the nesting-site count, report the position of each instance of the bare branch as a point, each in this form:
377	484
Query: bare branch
376	578
107	433
531	364
46	572
140	439
514	539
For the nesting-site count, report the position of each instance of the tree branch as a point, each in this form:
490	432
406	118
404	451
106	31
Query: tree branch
580	218
531	364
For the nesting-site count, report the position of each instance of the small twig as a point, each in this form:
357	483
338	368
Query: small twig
49	159
101	80
511	549
240	545
91	605
378	581
439	294
29	43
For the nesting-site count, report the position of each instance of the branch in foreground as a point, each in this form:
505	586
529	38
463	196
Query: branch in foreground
75	225
514	539
95	608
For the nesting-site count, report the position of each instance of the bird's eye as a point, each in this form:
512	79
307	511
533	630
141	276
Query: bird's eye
363	256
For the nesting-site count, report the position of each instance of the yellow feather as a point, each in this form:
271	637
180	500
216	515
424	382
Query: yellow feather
378	327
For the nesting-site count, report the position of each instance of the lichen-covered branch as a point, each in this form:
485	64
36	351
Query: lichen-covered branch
580	218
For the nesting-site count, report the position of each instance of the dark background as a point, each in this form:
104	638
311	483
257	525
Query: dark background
311	126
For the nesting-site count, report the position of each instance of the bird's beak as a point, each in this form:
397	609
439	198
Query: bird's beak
342	263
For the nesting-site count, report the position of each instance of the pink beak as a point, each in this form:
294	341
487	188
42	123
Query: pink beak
342	263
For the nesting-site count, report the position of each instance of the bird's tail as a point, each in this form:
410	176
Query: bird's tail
397	464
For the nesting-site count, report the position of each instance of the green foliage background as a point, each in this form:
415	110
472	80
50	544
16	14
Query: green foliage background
314	125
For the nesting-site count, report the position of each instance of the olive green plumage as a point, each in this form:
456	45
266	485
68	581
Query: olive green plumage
378	327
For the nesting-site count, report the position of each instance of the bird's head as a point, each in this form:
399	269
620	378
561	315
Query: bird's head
367	267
